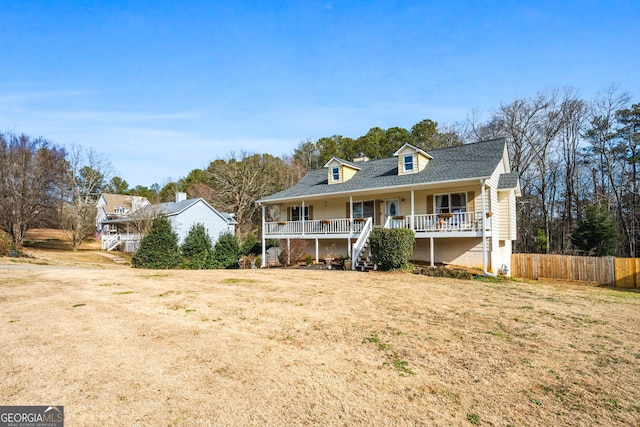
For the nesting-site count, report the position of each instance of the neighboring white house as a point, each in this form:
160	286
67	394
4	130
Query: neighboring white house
459	201
114	206
183	214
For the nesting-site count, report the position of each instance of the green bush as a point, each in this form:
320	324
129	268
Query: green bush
250	245
226	252
159	248
391	248
197	250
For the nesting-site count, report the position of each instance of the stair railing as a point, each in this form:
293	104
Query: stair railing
359	245
112	242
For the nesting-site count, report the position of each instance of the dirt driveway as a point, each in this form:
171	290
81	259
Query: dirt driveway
119	346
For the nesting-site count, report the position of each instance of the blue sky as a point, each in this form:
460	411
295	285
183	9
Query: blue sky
164	87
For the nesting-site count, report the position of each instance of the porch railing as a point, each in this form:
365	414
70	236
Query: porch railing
110	241
113	241
458	221
316	226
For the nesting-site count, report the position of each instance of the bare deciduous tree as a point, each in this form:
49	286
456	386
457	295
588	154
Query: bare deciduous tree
242	180
141	220
31	174
87	174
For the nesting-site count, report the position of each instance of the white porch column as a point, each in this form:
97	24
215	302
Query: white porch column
350	215
302	216
349	247
317	252
431	250
413	210
484	229
264	240
288	251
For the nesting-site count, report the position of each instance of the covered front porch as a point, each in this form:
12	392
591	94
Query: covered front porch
355	232
437	215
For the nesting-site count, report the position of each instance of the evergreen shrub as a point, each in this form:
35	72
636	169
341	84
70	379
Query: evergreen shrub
391	248
250	245
226	252
197	250
159	248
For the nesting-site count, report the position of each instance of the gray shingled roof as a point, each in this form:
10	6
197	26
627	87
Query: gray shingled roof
344	162
465	162
508	181
169	209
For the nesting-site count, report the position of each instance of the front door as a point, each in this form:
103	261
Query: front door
391	208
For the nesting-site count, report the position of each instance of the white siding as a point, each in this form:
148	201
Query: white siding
463	251
513	229
504	213
199	212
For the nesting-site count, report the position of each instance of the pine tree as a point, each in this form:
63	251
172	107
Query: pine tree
197	250
226	252
596	234
159	248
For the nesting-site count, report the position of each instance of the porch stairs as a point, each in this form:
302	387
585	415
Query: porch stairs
361	251
112	243
363	261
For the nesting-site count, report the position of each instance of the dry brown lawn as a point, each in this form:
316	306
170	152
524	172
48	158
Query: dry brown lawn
120	346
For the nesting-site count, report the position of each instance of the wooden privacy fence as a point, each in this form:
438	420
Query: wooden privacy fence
627	272
609	271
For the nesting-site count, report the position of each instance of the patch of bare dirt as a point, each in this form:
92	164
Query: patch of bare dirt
120	346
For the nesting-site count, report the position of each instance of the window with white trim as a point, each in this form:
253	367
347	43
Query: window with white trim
408	163
451	203
335	173
296	211
364	209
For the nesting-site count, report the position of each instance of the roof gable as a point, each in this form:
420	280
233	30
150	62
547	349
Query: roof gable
411	148
120	203
411	159
339	170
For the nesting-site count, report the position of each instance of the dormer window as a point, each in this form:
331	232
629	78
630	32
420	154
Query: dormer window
411	159
335	173
339	171
408	163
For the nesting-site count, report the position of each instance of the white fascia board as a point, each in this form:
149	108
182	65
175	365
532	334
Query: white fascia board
377	189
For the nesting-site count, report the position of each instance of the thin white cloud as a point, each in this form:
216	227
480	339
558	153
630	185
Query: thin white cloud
38	95
118	116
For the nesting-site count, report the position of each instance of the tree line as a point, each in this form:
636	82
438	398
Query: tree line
577	160
578	165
